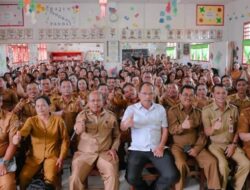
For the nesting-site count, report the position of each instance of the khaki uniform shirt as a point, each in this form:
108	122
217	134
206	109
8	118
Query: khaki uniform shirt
8	128
193	136
244	124
168	102
101	132
241	104
25	109
70	110
229	117
46	141
10	99
200	104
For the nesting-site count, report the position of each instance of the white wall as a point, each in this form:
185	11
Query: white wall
131	16
236	14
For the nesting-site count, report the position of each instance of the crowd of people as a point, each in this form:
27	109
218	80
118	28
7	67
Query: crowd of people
167	112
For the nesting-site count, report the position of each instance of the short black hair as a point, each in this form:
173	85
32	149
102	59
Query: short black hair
240	80
200	84
146	83
217	85
65	80
187	87
46	98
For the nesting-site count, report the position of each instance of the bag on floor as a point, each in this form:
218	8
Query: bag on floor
39	184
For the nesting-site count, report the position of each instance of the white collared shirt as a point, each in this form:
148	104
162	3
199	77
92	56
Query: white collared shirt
146	132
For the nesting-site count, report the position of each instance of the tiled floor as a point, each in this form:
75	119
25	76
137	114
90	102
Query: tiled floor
95	183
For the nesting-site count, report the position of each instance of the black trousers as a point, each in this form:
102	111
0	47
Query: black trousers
165	166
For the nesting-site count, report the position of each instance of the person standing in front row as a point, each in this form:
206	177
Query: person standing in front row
149	132
219	121
186	127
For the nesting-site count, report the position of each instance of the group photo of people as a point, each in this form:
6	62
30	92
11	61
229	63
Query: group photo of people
124	95
167	113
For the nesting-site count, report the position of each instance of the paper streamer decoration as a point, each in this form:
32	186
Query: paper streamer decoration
161	20
168	7
126	18
137	15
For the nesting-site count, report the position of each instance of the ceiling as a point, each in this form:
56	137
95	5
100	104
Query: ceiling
129	1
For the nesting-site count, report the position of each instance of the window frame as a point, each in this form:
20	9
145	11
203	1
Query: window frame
199	44
172	46
246	40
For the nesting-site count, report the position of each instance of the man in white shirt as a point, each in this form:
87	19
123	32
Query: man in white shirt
149	132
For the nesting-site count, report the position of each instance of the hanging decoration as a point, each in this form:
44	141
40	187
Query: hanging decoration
166	15
103	6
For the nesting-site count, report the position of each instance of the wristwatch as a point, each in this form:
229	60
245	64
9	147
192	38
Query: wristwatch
4	162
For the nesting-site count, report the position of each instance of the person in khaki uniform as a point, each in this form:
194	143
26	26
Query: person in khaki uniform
99	139
240	99
219	121
8	127
244	130
67	105
26	107
49	144
10	98
170	97
185	126
201	99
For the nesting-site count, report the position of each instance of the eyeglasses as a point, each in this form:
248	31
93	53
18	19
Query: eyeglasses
147	94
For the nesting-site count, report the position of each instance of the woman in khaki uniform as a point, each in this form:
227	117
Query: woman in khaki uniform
201	100
49	144
8	127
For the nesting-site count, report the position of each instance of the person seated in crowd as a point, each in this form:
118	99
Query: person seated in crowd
99	139
49	144
226	81
244	129
10	98
26	106
46	88
171	96
130	93
189	140
219	121
9	126
201	99
67	105
149	133
240	99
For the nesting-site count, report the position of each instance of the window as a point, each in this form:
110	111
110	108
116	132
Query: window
42	52
199	52
246	43
171	50
19	53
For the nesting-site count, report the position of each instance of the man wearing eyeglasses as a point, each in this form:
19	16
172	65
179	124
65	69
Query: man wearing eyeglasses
189	140
149	132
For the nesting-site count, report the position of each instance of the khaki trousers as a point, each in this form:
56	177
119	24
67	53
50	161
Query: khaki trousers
205	160
82	166
30	169
243	165
8	181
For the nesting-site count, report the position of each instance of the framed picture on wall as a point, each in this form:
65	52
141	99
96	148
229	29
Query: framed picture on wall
209	15
11	15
